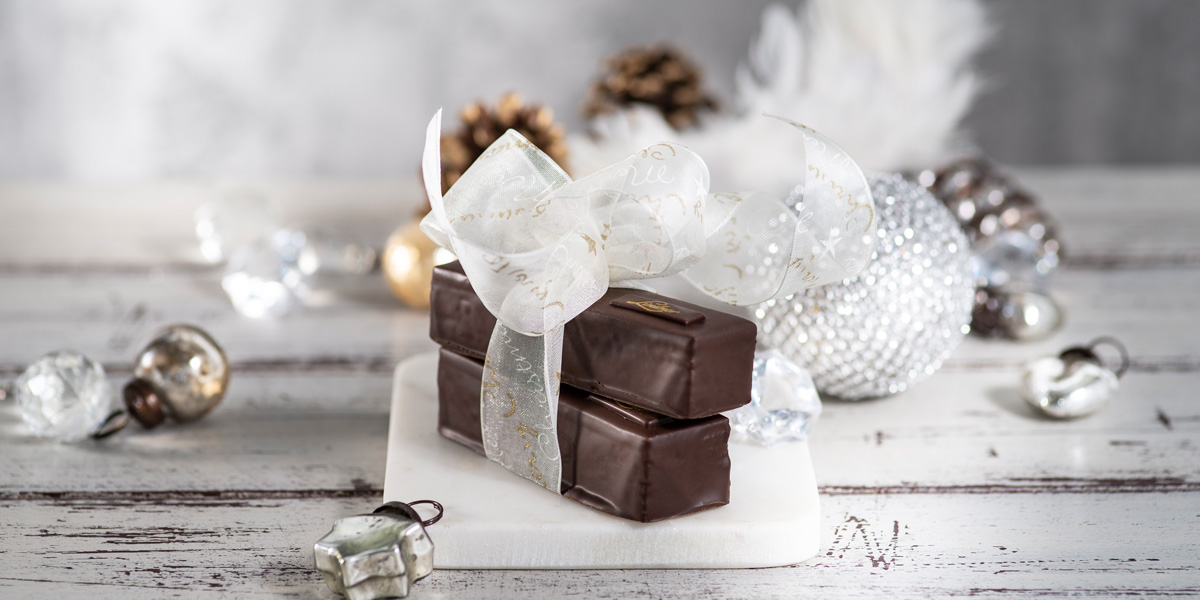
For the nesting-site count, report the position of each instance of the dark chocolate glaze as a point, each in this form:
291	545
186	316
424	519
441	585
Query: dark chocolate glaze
647	361
616	459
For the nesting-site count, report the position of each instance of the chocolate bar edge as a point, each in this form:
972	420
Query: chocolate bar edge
675	440
716	379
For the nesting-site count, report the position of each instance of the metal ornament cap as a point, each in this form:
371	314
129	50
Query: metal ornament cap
380	555
144	403
1074	384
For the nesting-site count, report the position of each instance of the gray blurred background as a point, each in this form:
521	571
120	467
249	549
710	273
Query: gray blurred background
116	89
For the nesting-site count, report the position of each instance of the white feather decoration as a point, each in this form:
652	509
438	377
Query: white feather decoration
888	81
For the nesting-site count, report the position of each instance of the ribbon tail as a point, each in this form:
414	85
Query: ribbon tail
435	224
519	404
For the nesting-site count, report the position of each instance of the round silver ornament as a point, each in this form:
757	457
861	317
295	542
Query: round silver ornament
1075	383
891	326
182	374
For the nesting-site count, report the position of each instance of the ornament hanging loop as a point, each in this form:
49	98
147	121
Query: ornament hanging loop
406	509
1108	340
1089	353
116	421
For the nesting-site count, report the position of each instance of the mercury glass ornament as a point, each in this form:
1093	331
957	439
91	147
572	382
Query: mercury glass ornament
63	395
266	278
408	262
380	555
1016	243
784	403
181	374
891	326
1073	384
1014	313
989	204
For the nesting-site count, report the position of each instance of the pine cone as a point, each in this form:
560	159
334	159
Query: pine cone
483	125
661	76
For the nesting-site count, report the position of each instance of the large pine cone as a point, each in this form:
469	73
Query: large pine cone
483	125
660	76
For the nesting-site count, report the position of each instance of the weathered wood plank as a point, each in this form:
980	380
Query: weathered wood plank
294	431
1122	217
952	489
150	225
1009	545
1110	216
971	431
110	316
961	432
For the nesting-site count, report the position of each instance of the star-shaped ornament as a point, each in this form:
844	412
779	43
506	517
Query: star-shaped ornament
367	557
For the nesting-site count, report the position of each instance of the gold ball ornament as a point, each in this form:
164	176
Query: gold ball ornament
408	261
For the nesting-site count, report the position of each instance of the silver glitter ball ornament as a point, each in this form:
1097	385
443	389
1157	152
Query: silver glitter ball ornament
877	334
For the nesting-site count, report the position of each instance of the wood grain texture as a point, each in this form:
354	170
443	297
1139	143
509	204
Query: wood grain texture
954	488
928	545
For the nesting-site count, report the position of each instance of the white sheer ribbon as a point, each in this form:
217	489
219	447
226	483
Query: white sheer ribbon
540	248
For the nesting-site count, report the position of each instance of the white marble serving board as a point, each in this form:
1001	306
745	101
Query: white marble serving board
496	520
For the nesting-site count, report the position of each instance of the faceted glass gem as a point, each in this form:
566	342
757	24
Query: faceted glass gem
784	403
188	368
1066	387
374	556
63	395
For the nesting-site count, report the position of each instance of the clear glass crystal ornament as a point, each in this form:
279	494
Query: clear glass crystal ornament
783	403
267	277
233	219
63	395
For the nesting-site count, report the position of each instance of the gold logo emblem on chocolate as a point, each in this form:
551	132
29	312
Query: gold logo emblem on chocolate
655	306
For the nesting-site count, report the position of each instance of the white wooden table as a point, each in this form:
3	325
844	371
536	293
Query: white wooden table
952	489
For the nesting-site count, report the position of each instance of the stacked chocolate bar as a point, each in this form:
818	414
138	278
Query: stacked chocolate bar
645	379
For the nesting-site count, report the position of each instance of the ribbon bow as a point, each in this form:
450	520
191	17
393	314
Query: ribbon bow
540	248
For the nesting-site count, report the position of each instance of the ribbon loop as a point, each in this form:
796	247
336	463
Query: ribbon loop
760	247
